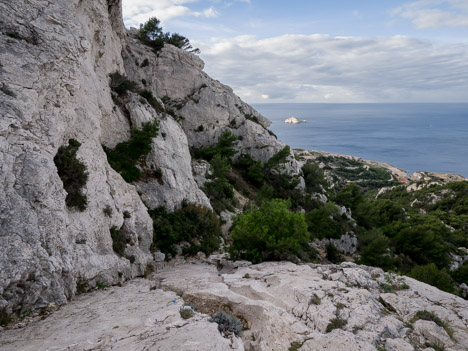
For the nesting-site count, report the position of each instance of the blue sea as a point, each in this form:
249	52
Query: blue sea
413	137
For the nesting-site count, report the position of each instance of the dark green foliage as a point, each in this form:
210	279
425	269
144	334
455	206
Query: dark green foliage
107	211
150	30
144	82
100	286
336	323
194	224
180	41
461	274
423	240
121	84
333	254
295	345
272	134
124	157
251	170
218	189
326	222
200	128
252	118
350	196
186	313
4	317
314	177
73	174
119	240
227	323
269	232
152	35
148	95
430	274
375	250
224	147
144	63
278	159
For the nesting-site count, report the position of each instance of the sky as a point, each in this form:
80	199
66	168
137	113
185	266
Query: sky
324	50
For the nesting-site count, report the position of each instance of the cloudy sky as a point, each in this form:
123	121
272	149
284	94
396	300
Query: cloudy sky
324	50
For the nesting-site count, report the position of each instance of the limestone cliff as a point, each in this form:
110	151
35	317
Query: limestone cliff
55	62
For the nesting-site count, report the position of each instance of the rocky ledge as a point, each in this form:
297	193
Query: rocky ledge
281	305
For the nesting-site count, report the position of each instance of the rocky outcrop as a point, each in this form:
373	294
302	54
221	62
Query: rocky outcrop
282	305
206	106
56	58
55	61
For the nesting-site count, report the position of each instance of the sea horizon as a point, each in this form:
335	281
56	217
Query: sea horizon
428	136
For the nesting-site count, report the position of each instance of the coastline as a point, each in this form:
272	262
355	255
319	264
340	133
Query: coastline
400	174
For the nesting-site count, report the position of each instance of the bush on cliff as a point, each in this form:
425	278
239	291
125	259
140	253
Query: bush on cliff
196	225
152	35
73	174
124	157
269	232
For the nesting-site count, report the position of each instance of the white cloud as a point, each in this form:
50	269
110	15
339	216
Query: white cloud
435	13
139	11
314	68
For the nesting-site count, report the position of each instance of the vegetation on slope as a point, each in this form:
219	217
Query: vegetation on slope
125	156
73	174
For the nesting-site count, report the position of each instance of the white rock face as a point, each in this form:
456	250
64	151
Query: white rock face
171	155
57	69
177	77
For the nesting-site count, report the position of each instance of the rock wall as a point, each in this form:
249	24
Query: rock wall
55	62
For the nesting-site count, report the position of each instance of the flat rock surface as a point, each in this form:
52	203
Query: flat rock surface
132	317
281	304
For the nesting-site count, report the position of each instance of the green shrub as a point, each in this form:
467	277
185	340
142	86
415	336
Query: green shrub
121	84
336	323
325	222
186	313
333	254
315	300
73	174
4	317
144	63
227	323
314	177
218	189
269	232
295	345
375	250
152	35
461	274
430	274
119	240
194	224
148	95
107	211
124	157
224	147
100	286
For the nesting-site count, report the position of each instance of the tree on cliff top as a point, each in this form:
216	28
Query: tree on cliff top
152	35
